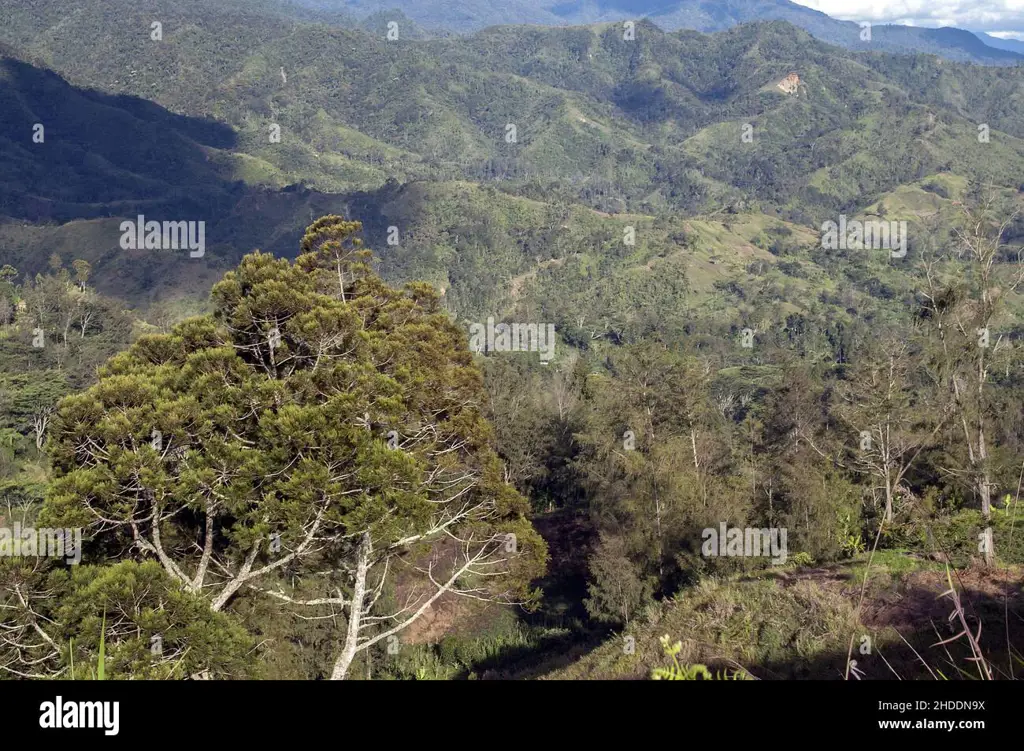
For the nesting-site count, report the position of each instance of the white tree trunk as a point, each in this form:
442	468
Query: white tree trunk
355	612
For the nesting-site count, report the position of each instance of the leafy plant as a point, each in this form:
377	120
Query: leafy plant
801	559
678	672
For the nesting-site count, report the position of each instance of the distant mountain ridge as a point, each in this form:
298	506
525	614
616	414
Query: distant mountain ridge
698	15
1013	45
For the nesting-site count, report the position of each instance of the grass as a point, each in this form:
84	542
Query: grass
725	623
799	622
890	566
468	656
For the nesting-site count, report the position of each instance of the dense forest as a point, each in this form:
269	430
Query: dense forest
340	442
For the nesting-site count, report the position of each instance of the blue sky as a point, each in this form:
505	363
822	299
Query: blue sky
1004	18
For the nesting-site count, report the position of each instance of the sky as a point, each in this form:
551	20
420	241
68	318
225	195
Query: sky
1003	18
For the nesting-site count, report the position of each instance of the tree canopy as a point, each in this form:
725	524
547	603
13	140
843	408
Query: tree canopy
319	420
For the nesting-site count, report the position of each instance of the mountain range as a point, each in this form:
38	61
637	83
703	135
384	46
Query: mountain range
415	134
698	15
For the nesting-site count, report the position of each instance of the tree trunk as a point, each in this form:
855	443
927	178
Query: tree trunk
39	423
657	524
985	487
985	492
355	613
888	502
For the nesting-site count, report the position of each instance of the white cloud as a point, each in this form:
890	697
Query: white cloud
1006	16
